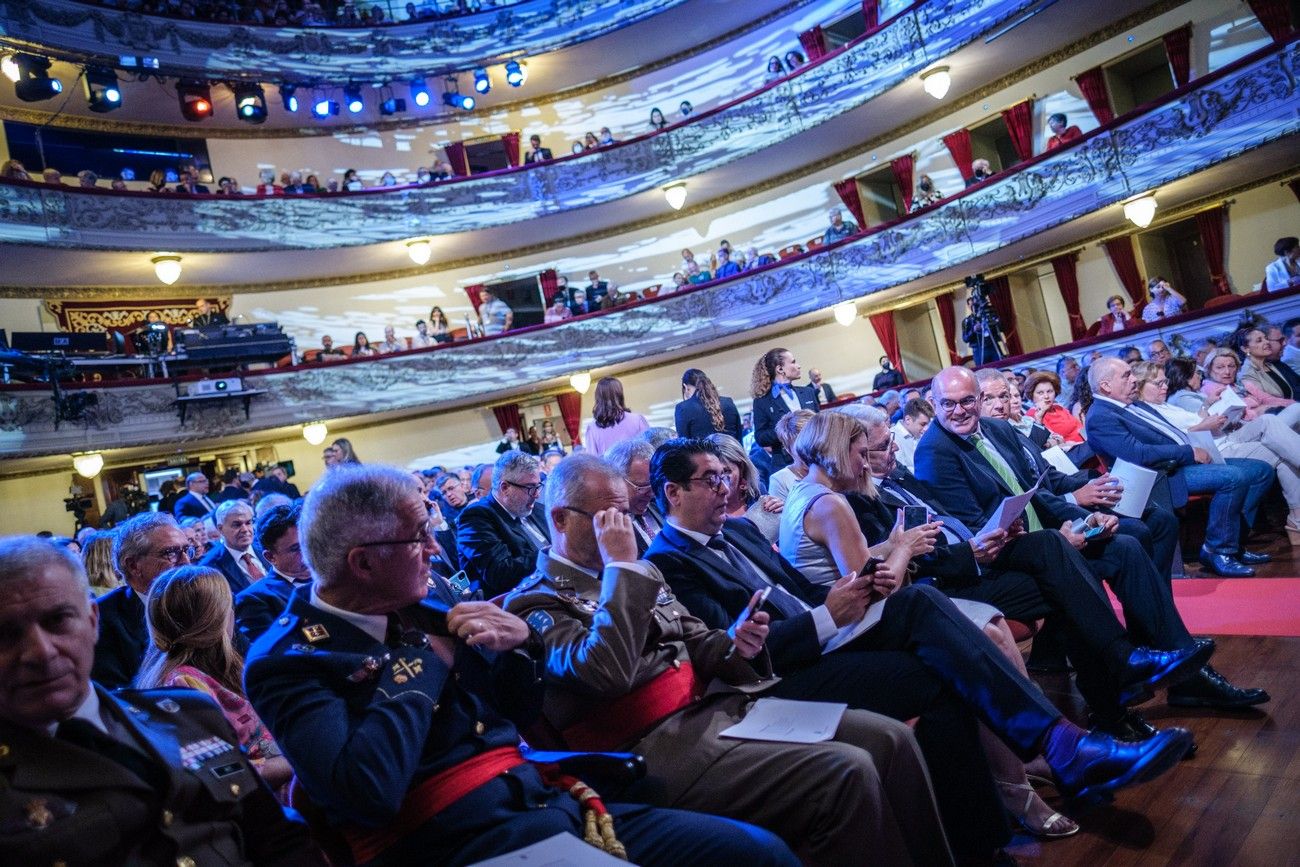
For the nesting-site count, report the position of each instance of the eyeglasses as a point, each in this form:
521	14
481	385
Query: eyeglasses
173	554
587	514
426	533
531	490
967	403
884	447
638	485
713	481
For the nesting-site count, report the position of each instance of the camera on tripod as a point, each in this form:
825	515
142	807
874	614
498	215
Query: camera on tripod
982	329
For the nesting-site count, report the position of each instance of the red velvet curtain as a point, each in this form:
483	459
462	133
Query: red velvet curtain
888	334
1000	295
902	168
1092	84
511	142
550	283
1020	125
1122	259
1210	225
1178	45
473	293
457	157
508	416
871	14
814	43
571	409
848	193
958	144
948	319
1067	280
1274	15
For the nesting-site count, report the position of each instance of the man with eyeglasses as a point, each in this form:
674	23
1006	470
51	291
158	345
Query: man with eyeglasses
498	536
144	547
632	459
628	667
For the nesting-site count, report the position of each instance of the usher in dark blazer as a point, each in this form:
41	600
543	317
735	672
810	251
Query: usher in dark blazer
692	420
768	410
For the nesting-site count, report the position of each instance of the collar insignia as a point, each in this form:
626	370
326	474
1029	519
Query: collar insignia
315	632
405	669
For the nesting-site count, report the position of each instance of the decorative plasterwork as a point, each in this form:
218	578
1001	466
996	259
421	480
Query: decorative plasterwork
1253	106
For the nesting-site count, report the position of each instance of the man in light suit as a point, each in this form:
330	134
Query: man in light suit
781	369
623	659
196	503
235	557
498	536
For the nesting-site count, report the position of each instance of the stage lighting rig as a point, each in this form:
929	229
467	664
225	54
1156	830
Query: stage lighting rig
482	83
195	99
250	102
34	83
103	93
516	73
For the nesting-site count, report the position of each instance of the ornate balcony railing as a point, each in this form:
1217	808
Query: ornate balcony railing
911	41
236	51
1244	107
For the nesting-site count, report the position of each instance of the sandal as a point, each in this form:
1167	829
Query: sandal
1056	825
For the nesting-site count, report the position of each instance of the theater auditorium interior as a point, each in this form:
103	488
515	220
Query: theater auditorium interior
933	279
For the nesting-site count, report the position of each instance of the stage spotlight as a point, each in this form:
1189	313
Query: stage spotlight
195	99
250	102
103	93
352	98
463	101
392	105
481	81
420	93
289	97
34	83
9	67
323	106
516	73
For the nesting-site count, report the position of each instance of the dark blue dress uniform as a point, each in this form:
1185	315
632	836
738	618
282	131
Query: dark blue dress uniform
362	723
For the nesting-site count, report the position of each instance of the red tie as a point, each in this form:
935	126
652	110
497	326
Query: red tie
254	568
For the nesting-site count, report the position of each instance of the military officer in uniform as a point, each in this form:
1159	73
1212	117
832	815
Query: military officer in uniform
398	710
629	668
134	777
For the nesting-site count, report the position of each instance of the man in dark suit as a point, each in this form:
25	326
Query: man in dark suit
144	547
536	153
888	377
778	367
923	659
207	316
90	777
452	496
276	481
235	557
632	459
825	394
971	464
498	536
1120	427
195	503
276	539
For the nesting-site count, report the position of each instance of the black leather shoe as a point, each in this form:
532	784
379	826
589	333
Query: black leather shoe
1252	558
1148	669
1208	688
1101	764
1222	564
1128	726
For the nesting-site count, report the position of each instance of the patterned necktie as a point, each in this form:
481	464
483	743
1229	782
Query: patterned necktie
1001	467
782	601
254	568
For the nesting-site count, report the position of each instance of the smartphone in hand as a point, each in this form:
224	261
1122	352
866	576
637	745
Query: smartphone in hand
755	603
915	516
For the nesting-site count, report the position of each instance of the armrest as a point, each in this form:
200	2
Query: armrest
605	772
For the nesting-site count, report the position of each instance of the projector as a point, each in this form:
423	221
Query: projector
228	385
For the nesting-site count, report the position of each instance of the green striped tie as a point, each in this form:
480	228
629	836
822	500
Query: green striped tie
1000	467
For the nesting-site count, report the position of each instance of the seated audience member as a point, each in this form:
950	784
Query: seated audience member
578	304
231	489
908	430
926	193
391	343
754	260
494	315
1284	271
890	401
1267	438
439	326
119	186
453	496
195	503
981	171
312	185
143	548
1158	352
1116	318
352	181
679	282
76	754
611	421
971	463
1122	427
276	538
344	453
787	431
657	121
1269	385
1165	301
422	339
97	559
632	459
685	109
266	184
774	392
190	619
234	557
86	179
702	410
1043	389
295	185
480	481
793	60
52	176
745	496
825	394
577	147
328	351
550	458
838	228
558	311
887	377
590	142
596	289
611	627
536	153
774	70
13	170
189	183
158	182
510	441
714	565
1291	344
366	749
726	267
361	347
228	186
1129	354
498	535
1061	133
695	274
388	179
606	137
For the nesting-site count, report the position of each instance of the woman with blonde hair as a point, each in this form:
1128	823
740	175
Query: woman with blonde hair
787	431
346	454
97	557
191	618
611	421
745	497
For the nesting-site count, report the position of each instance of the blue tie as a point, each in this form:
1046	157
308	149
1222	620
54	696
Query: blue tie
782	388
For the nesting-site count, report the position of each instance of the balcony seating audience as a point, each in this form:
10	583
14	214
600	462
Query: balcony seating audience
888	377
696	275
774	70
439	327
702	411
611	421
926	193
590	142
328	351
499	534
597	289
685	109
351	181
657	121
266	184
838	227
1165	300
391	343
981	171
775	394
1061	131
494	315
558	311
361	347
793	60
726	267
1115	319
13	170
536	153
1284	271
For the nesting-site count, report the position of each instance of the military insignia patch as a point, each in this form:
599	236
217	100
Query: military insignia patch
38	813
315	632
572	597
540	620
194	754
665	596
405	669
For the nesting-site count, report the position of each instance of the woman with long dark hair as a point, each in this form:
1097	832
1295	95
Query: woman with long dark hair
361	346
702	411
611	421
439	327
